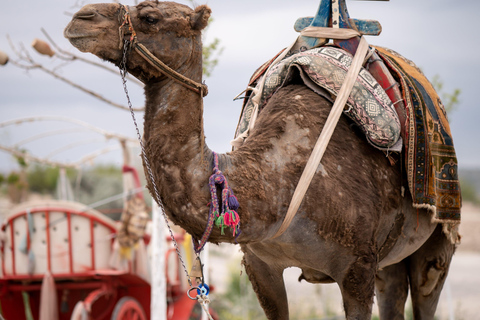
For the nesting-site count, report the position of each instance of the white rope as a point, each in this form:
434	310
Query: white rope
204	301
325	136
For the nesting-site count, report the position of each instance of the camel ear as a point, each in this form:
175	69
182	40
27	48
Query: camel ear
200	17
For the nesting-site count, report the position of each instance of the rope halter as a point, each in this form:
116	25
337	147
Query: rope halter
127	33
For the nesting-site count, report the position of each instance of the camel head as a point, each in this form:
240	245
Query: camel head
170	31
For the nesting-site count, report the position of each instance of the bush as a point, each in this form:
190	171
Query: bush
43	179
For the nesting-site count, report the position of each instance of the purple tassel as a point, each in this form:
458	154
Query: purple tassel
233	203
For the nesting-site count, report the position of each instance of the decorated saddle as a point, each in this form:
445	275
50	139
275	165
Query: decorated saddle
430	160
323	70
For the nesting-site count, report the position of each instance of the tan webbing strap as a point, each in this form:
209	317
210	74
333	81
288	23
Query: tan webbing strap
329	33
325	135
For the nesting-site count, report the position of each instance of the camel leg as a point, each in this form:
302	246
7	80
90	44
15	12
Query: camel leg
267	282
391	286
358	288
428	269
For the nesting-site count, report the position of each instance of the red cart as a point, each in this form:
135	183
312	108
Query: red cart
69	246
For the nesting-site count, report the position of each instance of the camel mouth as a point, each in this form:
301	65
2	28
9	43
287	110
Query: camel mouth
74	34
76	28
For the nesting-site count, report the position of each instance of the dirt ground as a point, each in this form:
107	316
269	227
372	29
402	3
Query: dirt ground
460	297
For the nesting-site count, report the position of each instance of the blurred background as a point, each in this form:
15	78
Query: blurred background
77	117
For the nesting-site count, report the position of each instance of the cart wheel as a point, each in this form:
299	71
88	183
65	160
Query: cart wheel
128	308
79	312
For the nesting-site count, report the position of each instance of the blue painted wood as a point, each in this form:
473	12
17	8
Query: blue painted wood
321	19
302	23
344	16
367	27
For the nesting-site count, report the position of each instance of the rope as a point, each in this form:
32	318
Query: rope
325	135
204	301
126	29
166	70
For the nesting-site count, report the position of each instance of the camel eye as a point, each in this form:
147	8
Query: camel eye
150	20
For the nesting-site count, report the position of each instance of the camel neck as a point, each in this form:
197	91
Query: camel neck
174	113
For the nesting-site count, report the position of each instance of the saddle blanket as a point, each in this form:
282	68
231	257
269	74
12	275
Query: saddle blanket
323	70
431	162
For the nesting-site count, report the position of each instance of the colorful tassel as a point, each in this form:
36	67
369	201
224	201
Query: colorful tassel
227	216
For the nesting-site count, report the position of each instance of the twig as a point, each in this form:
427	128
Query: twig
96	154
105	133
90	92
29	157
71	145
24	55
46	134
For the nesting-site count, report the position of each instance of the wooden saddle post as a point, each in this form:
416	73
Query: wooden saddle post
334	14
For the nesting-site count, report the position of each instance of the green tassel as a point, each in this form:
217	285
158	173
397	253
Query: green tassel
220	224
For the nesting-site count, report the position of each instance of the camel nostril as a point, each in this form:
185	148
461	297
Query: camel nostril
85	15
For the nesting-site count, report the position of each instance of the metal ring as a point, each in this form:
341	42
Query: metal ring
188	292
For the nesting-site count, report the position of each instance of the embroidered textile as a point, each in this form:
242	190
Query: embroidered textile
323	69
431	163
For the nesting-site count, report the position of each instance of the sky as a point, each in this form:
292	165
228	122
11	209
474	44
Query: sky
439	36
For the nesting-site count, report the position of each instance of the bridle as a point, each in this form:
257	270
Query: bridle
128	38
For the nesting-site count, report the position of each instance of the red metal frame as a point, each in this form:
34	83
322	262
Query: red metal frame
47	211
100	290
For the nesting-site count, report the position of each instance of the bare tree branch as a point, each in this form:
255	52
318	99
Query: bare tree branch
24	55
105	133
72	57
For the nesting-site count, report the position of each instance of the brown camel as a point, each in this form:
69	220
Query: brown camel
353	227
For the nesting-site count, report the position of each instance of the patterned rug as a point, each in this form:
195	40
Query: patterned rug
431	162
323	70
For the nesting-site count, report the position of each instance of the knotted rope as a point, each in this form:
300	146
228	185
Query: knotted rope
224	216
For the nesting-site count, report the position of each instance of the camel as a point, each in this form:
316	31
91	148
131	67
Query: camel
353	228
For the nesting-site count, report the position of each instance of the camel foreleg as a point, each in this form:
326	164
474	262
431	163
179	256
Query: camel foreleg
267	282
358	287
